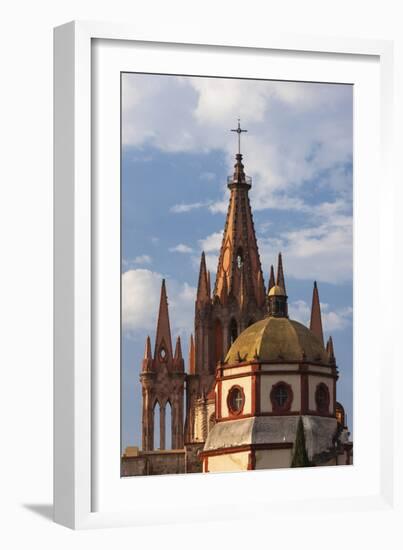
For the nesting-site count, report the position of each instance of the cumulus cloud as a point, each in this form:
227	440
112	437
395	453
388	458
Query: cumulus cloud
141	290
143	259
299	142
332	320
187	207
211	243
322	252
297	132
182	248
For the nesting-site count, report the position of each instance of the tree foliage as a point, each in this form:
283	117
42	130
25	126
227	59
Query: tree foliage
300	457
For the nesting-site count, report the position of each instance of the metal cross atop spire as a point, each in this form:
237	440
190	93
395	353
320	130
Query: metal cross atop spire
239	132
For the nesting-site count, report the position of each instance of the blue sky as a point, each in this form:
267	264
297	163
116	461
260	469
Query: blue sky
177	152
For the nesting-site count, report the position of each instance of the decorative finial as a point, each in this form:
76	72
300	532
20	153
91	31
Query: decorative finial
239	132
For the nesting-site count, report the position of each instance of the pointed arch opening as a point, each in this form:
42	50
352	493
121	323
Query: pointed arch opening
168	426
157	424
233	331
218	341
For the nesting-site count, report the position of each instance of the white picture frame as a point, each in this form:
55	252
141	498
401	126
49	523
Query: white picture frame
88	491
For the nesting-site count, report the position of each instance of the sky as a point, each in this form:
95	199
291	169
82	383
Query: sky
177	151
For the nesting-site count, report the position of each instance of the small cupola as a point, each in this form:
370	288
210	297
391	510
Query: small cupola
277	302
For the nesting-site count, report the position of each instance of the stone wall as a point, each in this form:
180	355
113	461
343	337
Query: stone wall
154	463
193	463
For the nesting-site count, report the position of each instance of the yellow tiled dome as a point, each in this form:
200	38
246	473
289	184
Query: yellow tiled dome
277	339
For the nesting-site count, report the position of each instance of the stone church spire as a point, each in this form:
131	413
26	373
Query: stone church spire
316	317
163	342
203	287
280	274
239	251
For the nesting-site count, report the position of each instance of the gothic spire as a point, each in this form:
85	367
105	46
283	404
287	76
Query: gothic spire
316	318
192	366
280	273
239	251
330	351
203	293
163	342
178	359
272	281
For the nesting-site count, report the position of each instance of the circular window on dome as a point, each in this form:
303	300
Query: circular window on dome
236	400
281	397
322	398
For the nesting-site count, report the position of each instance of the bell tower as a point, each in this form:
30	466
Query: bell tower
162	378
238	298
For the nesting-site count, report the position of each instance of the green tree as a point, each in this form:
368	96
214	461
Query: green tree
300	457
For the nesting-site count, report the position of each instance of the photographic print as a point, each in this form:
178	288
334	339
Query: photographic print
237	274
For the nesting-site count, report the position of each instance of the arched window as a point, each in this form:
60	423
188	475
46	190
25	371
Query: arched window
281	397
157	424
162	425
233	331
322	398
168	426
218	341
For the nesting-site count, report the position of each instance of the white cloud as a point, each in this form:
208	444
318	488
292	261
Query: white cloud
299	141
182	248
322	252
332	321
183	207
211	243
297	132
144	259
140	302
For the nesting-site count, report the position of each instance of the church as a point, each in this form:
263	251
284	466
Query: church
259	389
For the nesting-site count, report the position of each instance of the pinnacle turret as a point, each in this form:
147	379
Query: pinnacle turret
148	358
178	358
192	365
280	273
272	281
316	317
203	290
330	351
